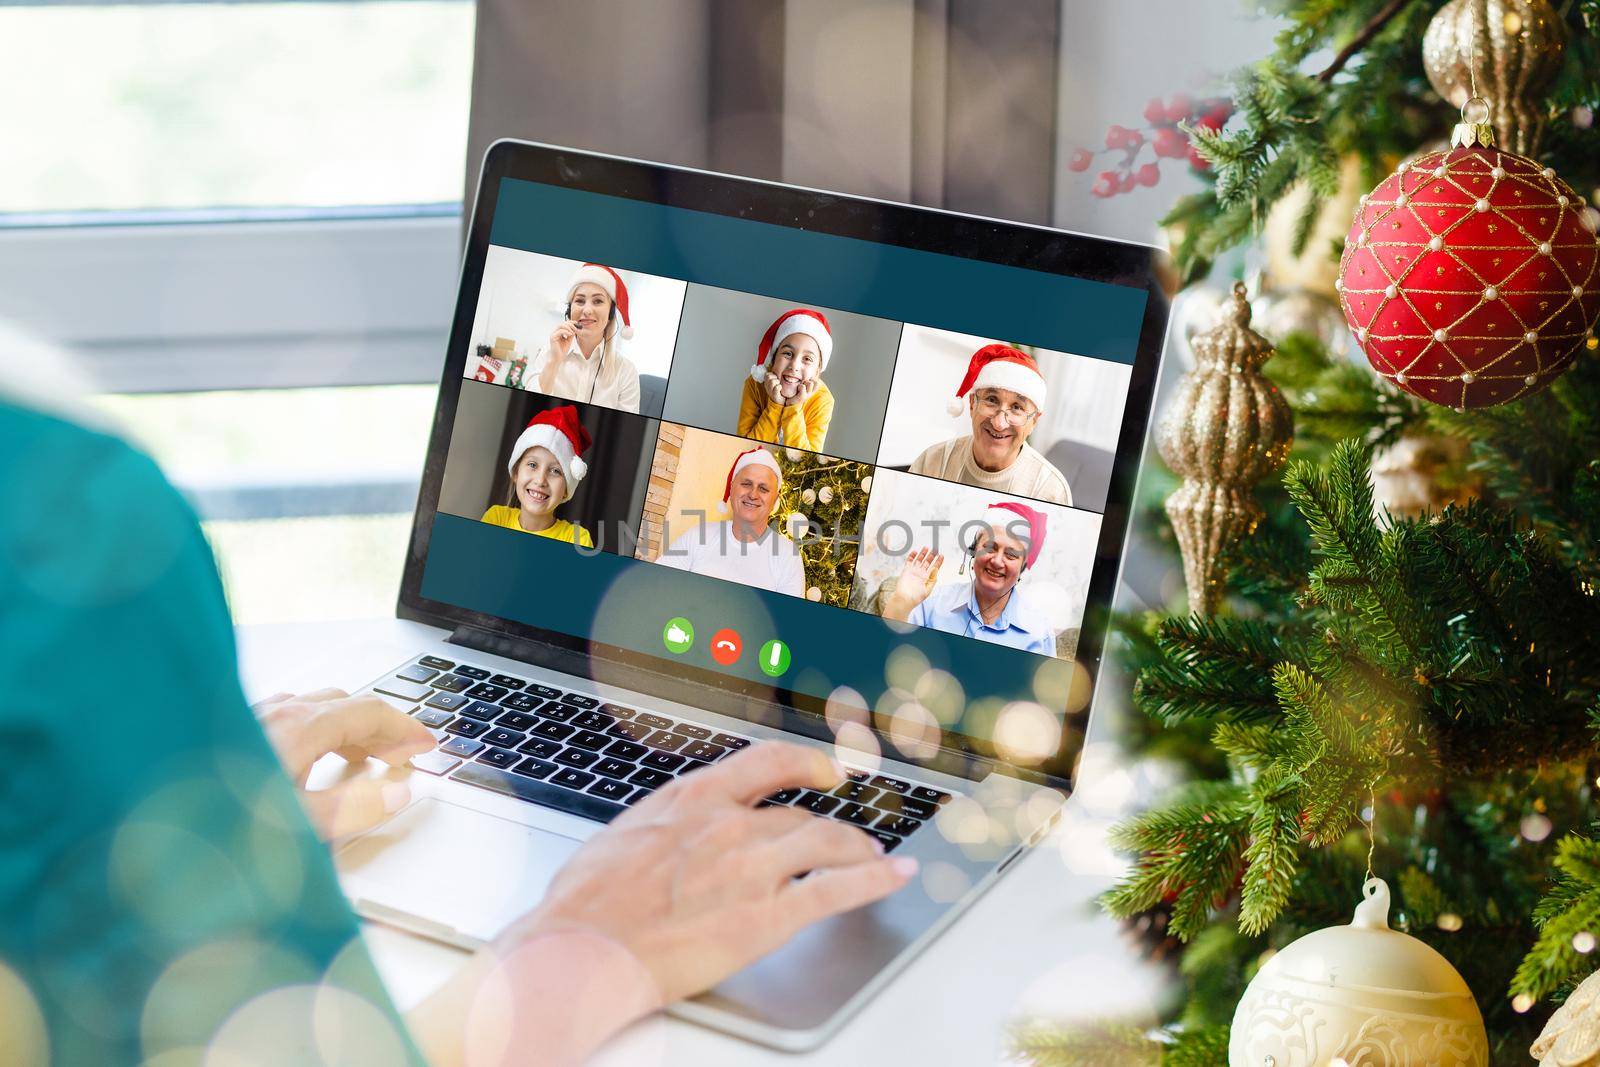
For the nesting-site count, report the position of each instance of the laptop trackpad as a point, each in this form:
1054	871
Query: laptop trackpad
444	864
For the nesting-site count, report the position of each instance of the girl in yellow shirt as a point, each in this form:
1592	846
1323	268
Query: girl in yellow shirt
786	401
546	465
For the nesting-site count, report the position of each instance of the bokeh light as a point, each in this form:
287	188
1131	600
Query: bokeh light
23	1036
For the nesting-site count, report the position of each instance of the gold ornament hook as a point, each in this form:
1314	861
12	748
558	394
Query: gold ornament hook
1474	127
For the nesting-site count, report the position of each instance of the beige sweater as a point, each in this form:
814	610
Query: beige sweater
1031	475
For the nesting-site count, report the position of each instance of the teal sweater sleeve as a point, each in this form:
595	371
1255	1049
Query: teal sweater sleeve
161	890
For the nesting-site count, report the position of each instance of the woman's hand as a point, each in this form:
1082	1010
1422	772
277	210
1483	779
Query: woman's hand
916	581
562	340
303	729
676	894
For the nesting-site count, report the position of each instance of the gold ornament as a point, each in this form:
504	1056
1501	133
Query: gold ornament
1510	49
1572	1036
1421	473
1228	428
1316	267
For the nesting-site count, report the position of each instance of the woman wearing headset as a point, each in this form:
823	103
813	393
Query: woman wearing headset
1007	542
581	361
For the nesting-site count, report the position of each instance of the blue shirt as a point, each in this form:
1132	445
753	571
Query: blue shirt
953	608
156	869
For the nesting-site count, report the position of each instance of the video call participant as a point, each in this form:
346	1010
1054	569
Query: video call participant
581	360
744	548
546	465
987	607
1004	394
786	401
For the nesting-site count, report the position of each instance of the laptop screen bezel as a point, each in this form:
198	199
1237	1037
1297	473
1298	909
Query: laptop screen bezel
970	237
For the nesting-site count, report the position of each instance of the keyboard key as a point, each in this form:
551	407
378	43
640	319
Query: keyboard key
398	687
435	762
506	681
657	721
576	757
617	711
889	841
692	765
899	805
556	711
626	750
500	737
447	701
466	727
545	691
432	716
856	791
538	792
663	741
609	789
631	730
581	700
487	691
535	768
638	796
461	746
516	720
521	702
662	761
859	814
612	767
452	683
785	796
730	741
499	757
589	739
572	779
542	747
897	824
689	729
593	720
857	776
475	673
555	731
436	663
477	709
929	796
704	750
894	785
415	673
650	779
818	803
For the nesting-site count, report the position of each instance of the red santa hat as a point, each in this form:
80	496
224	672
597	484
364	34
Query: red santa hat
559	431
614	287
1001	367
796	320
1006	514
758	457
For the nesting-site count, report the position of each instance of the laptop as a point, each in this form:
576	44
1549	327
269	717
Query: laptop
717	461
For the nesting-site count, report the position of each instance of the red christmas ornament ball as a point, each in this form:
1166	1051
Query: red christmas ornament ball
1470	278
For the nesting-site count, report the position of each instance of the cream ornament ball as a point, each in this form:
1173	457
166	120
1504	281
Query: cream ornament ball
1361	995
1572	1036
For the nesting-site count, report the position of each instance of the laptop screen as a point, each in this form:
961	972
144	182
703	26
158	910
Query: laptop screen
869	476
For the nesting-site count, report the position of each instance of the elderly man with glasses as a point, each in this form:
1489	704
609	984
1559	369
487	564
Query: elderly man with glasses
1004	394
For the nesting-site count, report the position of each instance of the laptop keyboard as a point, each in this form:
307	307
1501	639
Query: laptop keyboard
572	752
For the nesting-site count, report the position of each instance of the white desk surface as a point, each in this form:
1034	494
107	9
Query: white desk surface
1035	943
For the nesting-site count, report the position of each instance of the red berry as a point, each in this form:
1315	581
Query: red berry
1196	160
1179	107
1132	139
1106	184
1217	113
1155	112
1127	183
1149	174
1080	159
1115	136
1170	143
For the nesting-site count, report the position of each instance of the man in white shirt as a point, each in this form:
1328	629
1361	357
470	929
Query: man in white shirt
743	548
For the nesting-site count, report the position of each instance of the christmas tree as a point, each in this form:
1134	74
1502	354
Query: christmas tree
822	507
1418	694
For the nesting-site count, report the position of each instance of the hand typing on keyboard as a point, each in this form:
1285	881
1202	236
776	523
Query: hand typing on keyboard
303	729
674	895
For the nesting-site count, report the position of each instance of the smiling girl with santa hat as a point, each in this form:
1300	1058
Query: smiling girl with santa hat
785	400
546	464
